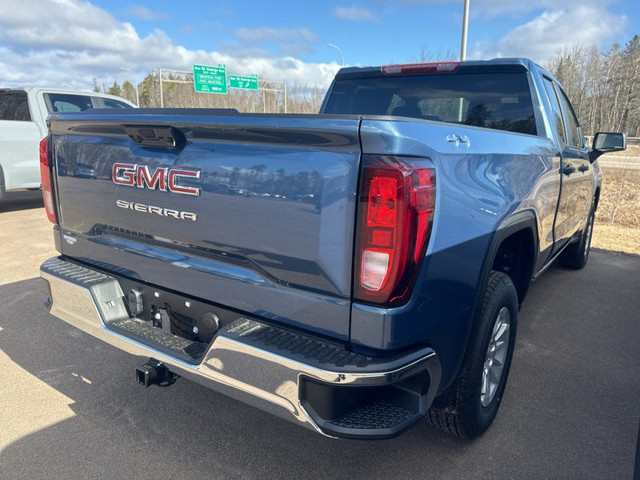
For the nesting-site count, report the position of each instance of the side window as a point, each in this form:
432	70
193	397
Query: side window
114	104
61	102
555	109
575	134
14	106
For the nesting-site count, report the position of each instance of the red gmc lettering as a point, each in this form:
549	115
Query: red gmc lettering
163	179
145	179
173	187
124	174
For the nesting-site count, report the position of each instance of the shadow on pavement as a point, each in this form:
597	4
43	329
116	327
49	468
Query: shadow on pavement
570	410
24	200
122	430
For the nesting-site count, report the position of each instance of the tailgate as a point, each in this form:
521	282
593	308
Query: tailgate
252	212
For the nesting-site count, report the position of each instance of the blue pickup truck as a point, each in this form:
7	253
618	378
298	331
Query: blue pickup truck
353	271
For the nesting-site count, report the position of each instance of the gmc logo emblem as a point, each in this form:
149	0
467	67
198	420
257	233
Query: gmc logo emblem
164	179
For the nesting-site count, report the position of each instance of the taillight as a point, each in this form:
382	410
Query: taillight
45	178
414	68
397	201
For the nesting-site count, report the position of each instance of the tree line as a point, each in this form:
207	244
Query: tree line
603	86
178	92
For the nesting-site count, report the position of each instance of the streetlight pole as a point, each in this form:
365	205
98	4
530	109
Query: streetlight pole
339	51
465	23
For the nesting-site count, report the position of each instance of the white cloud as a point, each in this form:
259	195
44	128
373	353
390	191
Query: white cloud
268	34
489	9
290	41
499	8
355	14
69	23
140	12
82	41
541	38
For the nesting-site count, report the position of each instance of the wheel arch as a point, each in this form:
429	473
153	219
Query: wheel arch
514	250
519	225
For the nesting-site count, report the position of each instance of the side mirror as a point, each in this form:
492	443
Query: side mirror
605	142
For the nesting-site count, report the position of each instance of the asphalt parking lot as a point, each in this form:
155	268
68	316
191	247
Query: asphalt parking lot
69	406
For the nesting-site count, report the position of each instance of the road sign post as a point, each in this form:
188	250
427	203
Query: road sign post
214	80
208	79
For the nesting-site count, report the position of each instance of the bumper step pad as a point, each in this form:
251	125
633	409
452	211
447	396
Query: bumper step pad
377	415
313	350
143	332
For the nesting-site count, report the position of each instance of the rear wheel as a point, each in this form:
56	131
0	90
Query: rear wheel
576	255
469	406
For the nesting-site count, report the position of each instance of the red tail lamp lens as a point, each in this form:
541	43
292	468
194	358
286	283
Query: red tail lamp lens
397	201
45	178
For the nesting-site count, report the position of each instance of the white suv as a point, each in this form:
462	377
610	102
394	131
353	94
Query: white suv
23	113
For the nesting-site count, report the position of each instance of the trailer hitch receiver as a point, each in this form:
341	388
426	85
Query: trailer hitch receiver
154	372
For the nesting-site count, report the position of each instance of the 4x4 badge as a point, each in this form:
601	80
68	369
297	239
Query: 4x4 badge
458	139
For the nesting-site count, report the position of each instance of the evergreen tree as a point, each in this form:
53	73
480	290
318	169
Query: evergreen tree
115	89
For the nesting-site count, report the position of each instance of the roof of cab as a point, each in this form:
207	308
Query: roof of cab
522	64
35	90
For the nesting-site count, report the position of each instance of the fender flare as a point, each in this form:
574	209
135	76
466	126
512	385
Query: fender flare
523	220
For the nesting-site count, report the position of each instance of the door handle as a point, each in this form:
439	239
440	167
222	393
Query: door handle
568	169
583	168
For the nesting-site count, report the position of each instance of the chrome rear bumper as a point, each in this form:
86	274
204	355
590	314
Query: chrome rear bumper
277	370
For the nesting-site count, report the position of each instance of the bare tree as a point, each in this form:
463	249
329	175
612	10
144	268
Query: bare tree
603	86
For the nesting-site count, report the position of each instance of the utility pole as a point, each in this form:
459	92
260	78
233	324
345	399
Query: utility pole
161	98
465	23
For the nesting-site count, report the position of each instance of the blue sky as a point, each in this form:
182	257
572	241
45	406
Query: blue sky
69	42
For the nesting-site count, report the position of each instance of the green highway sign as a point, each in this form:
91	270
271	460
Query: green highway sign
208	79
239	81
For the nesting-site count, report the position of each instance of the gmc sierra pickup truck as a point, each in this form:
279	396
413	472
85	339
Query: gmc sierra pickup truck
352	271
23	114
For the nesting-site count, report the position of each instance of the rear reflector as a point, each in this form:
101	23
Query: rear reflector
45	178
397	201
415	68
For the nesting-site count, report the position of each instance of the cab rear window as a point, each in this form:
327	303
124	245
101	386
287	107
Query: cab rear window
14	106
108	103
500	101
63	102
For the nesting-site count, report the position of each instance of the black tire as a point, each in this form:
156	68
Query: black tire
576	255
461	410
